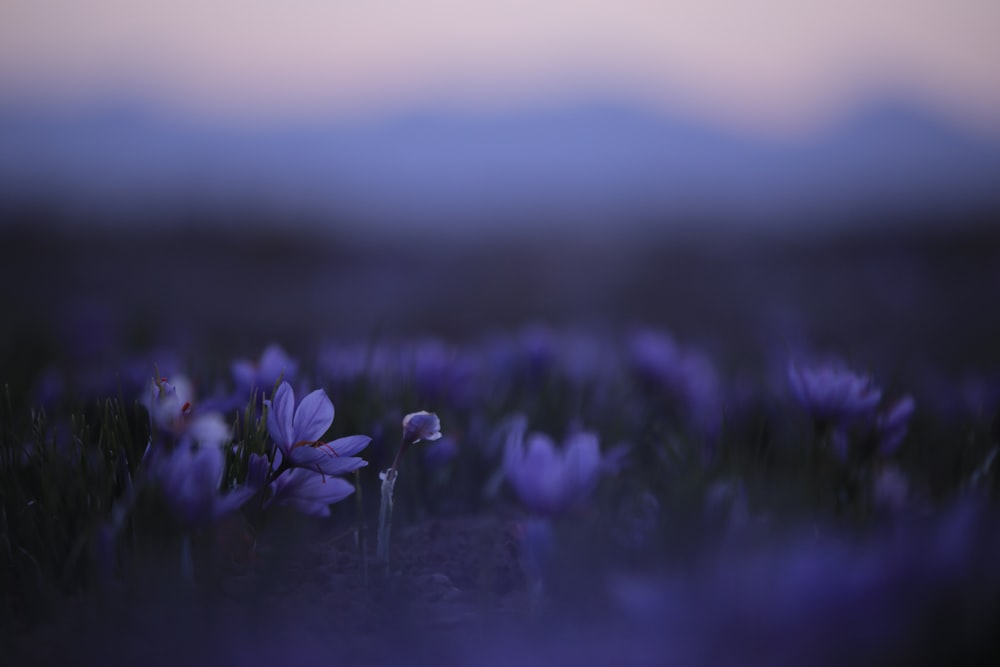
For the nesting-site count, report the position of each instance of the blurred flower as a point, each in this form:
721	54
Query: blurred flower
258	471
549	481
171	409
688	376
538	349
891	490
168	402
893	425
441	452
309	492
421	425
274	364
297	431
832	394
189	478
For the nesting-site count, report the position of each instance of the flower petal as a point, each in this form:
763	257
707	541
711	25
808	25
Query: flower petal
582	464
313	417
350	445
324	460
309	492
232	501
280	415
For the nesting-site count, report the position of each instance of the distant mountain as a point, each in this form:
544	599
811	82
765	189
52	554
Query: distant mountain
586	163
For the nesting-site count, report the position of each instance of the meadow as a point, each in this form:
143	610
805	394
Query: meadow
732	449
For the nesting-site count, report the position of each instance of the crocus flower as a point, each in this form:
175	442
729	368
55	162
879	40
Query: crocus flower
171	410
421	425
832	394
263	374
296	430
688	376
550	481
189	478
258	471
309	492
168	402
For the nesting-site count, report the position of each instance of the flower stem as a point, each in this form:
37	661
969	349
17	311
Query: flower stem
385	515
385	504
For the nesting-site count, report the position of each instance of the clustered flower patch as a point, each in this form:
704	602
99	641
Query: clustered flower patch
632	475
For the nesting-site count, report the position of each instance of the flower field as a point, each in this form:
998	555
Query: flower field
245	448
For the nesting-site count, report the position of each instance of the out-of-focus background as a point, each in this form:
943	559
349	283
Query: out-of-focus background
456	117
261	169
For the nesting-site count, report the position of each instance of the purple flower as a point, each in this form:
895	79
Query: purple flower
168	402
893	425
421	425
258	471
688	376
171	410
832	394
309	492
550	481
189	479
263	374
297	431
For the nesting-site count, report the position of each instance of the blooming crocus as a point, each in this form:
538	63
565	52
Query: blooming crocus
309	492
296	430
833	395
189	478
550	481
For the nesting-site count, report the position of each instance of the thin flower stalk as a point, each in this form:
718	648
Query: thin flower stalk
417	426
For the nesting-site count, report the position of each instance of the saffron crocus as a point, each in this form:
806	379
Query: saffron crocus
296	431
549	481
833	395
189	478
168	402
309	492
171	409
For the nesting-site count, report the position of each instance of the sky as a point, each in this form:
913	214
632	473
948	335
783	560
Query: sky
770	70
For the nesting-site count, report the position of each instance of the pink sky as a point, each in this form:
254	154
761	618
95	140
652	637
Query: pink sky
768	65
